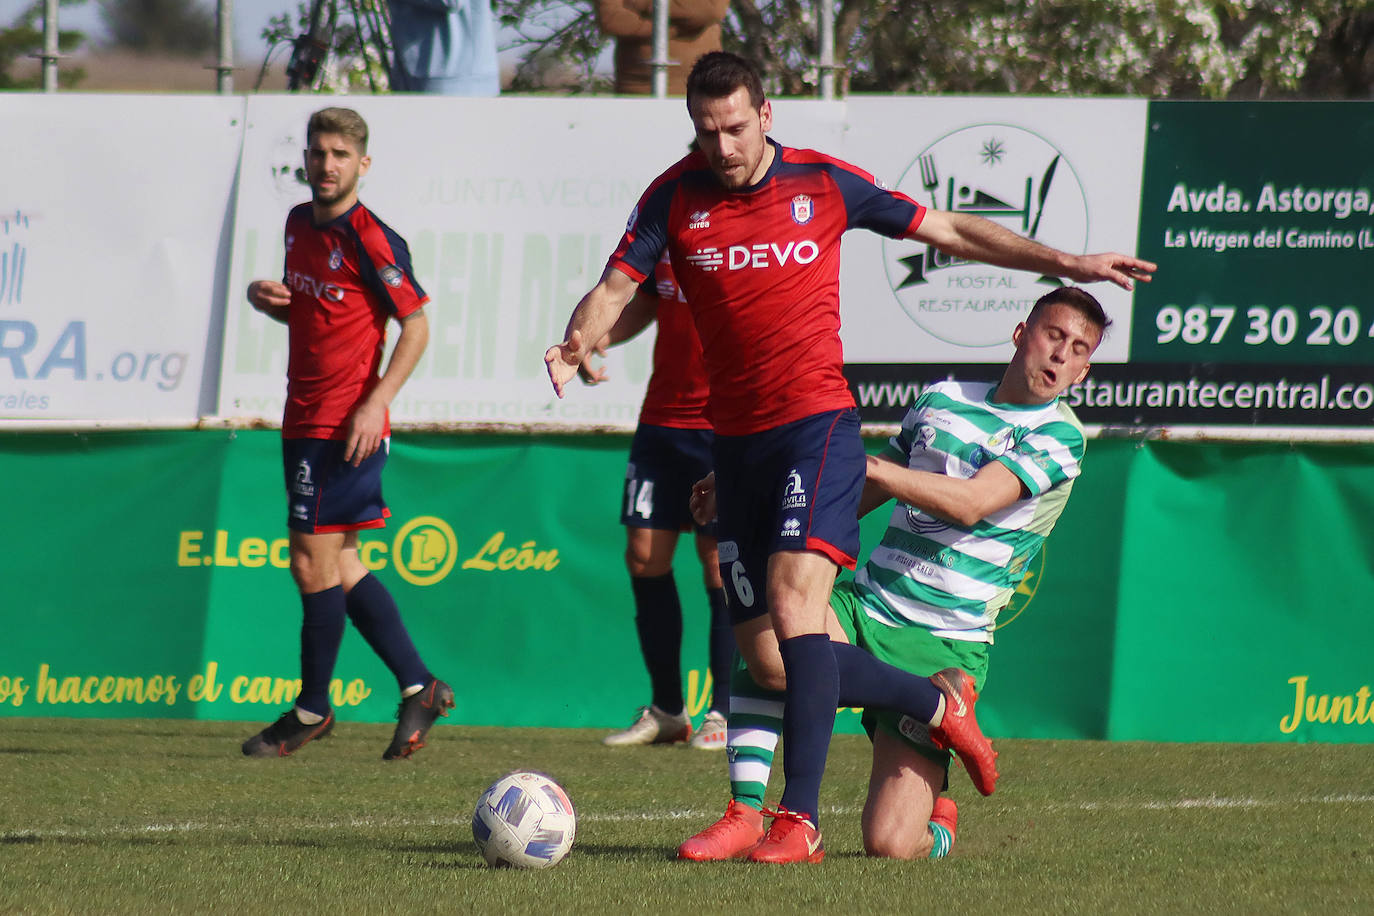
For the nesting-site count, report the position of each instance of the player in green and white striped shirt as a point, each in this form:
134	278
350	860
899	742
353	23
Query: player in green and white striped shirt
981	473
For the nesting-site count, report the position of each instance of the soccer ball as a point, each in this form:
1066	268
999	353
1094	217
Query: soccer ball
524	820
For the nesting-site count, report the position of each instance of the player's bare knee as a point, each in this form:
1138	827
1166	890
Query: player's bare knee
767	673
311	573
643	565
889	845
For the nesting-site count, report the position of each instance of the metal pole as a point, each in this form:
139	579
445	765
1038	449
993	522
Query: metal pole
225	67
49	55
660	60
826	27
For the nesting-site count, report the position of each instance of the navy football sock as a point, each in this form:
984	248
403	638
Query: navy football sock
658	621
321	632
867	682
813	691
374	612
722	650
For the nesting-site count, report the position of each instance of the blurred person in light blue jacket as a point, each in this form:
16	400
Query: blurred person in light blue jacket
446	47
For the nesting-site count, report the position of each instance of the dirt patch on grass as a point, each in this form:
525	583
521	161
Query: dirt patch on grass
123	71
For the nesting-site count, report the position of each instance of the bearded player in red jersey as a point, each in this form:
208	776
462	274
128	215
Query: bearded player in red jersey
753	231
670	452
346	274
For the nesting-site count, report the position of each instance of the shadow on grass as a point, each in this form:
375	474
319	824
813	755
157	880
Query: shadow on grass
580	850
23	751
30	839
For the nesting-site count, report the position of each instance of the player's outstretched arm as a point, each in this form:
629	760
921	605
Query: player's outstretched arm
964	501
874	493
977	239
590	321
637	316
271	298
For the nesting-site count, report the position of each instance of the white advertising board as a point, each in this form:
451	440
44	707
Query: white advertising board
510	207
1065	172
119	286
114	218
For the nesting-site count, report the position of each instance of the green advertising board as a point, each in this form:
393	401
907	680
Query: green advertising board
1227	580
1261	219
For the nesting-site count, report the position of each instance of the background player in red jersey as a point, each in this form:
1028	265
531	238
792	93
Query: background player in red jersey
670	452
753	231
346	273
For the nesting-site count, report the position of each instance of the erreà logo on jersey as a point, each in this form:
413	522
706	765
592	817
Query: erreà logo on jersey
759	256
1006	174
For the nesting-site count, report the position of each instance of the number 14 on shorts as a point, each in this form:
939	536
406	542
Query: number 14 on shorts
639	497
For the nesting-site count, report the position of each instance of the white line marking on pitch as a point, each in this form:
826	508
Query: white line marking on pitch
191	827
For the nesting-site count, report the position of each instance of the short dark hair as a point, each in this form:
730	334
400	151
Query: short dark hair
718	74
1080	300
343	121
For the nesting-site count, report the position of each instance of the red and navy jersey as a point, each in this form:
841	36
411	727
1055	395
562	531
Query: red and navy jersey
677	392
760	269
347	278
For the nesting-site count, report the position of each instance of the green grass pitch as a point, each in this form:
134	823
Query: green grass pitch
167	816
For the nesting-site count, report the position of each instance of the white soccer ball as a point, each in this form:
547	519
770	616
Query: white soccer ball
524	820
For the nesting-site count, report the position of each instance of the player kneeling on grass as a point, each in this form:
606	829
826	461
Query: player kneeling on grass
981	473
346	274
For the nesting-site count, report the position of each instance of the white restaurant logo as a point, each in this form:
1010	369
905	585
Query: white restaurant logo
1008	175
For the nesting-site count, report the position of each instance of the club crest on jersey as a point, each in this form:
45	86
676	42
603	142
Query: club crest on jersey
392	276
335	259
803	208
920	523
1000	442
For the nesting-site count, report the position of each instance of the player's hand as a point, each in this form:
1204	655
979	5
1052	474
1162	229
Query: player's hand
1121	269
563	360
703	500
365	428
593	374
268	295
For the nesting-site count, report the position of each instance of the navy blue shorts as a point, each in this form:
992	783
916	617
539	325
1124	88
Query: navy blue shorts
325	493
796	487
664	463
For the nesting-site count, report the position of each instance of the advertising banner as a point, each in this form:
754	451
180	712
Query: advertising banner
1061	171
1256	318
1261	218
511	208
1243	612
168	594
113	240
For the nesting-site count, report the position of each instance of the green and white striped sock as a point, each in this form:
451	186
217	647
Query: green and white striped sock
944	840
752	732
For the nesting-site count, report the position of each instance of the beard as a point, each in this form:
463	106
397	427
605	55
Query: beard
733	179
338	193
